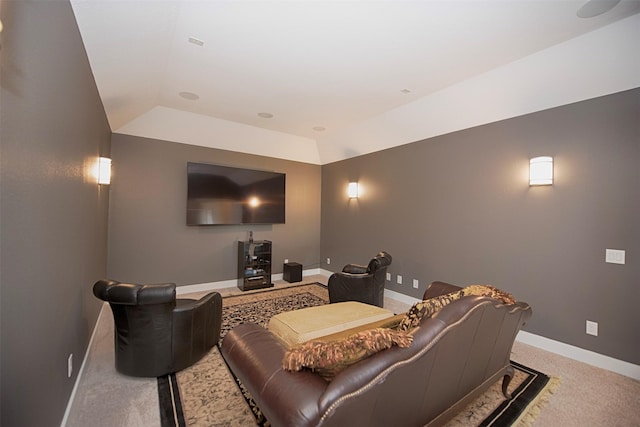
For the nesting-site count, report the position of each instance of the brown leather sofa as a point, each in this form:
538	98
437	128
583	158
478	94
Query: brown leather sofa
455	356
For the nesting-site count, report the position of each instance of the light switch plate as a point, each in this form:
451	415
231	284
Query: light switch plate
399	280
416	284
388	277
614	256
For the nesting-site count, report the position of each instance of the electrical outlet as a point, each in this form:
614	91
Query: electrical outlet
416	284
592	328
328	260
286	260
388	277
614	256
70	365
399	280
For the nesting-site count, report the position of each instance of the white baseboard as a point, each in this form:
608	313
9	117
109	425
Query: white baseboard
203	287
401	297
323	272
576	353
212	286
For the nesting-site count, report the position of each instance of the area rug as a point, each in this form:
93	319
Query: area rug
529	389
208	394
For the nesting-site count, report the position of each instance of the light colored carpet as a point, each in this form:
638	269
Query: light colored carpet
106	398
587	396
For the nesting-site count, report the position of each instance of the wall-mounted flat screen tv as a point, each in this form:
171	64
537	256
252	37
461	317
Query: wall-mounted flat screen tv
223	195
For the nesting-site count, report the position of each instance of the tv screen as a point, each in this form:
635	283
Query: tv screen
223	195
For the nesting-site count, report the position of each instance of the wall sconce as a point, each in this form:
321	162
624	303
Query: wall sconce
353	190
104	171
541	171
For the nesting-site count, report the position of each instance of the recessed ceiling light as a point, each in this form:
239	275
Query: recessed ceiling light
405	91
594	8
319	128
265	115
196	41
189	95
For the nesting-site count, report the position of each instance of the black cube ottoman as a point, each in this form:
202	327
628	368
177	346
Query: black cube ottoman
292	272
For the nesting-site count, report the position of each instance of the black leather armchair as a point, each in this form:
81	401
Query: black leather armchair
155	333
361	283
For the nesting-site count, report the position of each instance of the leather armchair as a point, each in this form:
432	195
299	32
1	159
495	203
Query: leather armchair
155	333
361	283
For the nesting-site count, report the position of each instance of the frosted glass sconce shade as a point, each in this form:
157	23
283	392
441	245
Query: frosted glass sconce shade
104	170
541	171
353	190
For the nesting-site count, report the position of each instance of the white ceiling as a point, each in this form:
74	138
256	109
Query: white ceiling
329	64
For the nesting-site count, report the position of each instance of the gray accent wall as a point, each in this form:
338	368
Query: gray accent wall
458	208
149	240
455	208
53	215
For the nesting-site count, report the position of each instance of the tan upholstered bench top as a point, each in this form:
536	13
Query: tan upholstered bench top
297	326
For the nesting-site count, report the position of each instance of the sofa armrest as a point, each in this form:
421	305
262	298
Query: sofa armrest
354	269
202	317
435	289
349	287
255	355
196	328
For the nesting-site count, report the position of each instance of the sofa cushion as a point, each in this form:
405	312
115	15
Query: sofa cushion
491	292
328	358
425	309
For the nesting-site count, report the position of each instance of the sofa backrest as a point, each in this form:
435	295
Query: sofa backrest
378	268
453	352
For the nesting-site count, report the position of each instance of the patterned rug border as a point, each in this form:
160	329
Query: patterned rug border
171	413
532	411
526	400
274	289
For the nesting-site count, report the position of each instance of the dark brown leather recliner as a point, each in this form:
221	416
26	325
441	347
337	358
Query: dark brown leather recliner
155	333
361	283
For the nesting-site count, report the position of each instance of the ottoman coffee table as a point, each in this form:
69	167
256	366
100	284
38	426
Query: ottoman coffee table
297	326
